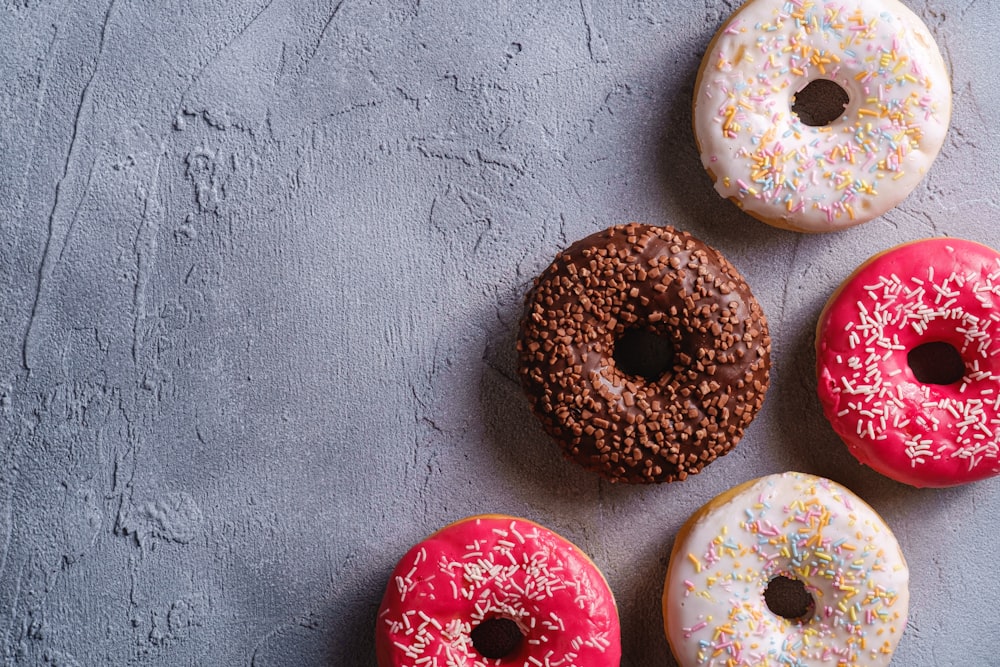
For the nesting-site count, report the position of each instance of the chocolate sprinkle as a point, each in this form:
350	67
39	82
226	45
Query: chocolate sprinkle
658	279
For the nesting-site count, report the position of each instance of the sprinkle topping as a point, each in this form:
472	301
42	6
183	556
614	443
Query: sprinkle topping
495	567
935	290
659	280
833	176
800	527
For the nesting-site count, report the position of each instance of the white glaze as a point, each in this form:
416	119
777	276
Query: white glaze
800	526
820	179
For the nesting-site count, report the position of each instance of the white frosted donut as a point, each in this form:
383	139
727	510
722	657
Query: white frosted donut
798	527
819	179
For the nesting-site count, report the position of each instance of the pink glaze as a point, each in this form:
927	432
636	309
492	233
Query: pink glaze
495	566
933	290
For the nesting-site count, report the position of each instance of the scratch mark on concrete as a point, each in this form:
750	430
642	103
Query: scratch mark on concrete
306	623
43	85
596	44
13	608
326	27
9	518
76	213
47	264
145	253
215	56
124	488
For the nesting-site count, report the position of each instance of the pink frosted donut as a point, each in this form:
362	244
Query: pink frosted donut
907	360
497	590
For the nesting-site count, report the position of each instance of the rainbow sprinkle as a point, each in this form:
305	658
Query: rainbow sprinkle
797	526
836	175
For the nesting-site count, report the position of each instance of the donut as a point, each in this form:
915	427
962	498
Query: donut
895	96
806	537
491	590
908	362
659	282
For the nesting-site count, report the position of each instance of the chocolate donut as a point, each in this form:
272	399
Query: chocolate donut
639	278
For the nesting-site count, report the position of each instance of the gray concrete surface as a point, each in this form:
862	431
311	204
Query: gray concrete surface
261	265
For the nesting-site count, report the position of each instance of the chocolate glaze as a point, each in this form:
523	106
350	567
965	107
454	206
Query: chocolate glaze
624	427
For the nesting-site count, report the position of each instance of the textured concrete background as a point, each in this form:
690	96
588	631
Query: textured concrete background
261	265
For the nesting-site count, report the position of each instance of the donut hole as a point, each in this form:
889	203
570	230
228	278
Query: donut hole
644	353
787	597
820	103
497	638
936	363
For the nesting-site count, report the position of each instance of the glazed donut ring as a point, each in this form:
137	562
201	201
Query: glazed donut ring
491	567
918	431
790	526
817	179
625	427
